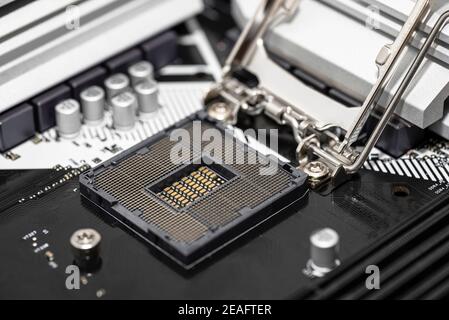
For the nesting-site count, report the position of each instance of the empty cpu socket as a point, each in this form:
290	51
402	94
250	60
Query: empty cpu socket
190	209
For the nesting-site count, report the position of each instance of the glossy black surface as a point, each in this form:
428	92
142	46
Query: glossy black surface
266	264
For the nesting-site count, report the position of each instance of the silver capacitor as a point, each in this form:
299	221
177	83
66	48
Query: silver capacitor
141	72
124	111
148	97
324	250
68	119
93	102
116	85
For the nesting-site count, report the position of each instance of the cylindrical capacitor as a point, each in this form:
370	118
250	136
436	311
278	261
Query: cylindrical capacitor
116	85
141	72
148	97
124	111
324	249
68	119
92	104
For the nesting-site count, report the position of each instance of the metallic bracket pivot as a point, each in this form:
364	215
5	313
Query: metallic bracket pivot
324	129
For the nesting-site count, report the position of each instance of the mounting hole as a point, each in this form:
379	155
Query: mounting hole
401	191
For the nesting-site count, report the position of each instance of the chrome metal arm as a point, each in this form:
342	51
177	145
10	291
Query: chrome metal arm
268	12
312	116
387	62
442	22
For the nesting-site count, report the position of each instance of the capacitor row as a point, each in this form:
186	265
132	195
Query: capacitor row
126	97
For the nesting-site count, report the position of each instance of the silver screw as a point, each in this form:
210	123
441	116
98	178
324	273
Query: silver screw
220	111
317	170
85	239
85	245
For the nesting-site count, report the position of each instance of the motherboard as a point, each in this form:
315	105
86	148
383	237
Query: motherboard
211	155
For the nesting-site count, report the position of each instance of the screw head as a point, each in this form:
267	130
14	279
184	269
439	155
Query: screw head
85	239
316	170
220	111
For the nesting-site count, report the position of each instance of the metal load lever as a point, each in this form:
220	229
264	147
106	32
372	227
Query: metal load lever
315	135
442	22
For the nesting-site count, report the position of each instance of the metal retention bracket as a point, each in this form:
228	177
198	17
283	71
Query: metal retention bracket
324	129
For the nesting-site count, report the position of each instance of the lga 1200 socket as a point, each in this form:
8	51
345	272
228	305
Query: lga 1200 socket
187	200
